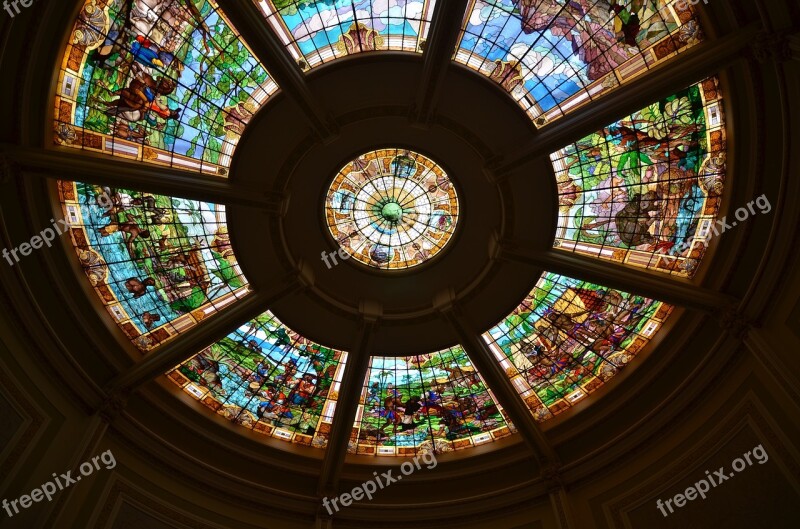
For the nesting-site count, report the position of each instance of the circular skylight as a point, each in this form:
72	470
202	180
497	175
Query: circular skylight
392	209
178	89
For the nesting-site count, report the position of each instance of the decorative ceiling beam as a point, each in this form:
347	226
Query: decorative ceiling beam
655	285
439	50
693	65
492	372
63	163
346	407
201	336
249	21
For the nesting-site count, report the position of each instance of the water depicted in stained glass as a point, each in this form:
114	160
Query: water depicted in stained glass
317	31
555	55
267	377
392	209
569	336
646	189
433	402
159	264
168	82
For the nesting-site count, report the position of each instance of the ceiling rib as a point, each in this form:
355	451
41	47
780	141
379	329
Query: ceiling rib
496	379
249	21
691	66
75	165
439	50
655	285
346	407
204	334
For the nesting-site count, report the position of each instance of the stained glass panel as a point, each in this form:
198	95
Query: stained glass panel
568	337
318	31
432	402
391	209
646	190
555	55
160	264
167	82
267	377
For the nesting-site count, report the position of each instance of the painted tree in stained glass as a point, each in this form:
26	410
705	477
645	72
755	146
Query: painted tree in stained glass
317	31
432	402
267	377
167	82
646	189
568	337
554	55
160	264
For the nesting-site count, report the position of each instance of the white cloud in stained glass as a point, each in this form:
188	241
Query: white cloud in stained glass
318	31
555	55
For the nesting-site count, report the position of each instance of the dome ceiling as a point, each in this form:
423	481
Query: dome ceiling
173	84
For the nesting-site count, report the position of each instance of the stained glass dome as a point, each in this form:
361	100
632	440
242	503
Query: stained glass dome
190	218
392	209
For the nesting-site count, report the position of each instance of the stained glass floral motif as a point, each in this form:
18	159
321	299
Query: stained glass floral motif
168	82
432	402
646	190
266	377
568	337
159	264
318	31
555	55
392	209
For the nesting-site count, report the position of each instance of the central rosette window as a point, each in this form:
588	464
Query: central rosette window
392	209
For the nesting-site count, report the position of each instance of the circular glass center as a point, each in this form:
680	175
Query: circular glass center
392	209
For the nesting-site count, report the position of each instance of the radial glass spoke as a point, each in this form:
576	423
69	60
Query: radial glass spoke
160	264
567	337
434	402
553	56
267	377
319	31
646	189
169	83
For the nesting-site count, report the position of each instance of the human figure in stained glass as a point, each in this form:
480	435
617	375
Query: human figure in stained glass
390	411
137	287
374	395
